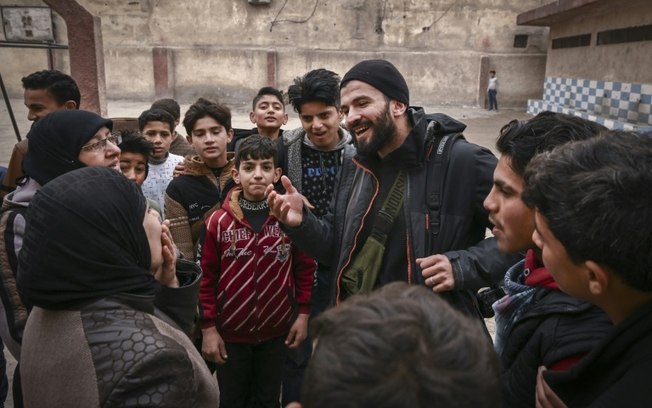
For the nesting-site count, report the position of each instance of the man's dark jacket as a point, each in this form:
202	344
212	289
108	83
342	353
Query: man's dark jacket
461	234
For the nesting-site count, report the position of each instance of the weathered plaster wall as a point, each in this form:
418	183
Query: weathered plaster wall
627	62
220	48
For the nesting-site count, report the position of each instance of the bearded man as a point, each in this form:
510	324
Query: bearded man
413	208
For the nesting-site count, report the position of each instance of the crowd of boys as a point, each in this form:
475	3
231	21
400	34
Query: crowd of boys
324	221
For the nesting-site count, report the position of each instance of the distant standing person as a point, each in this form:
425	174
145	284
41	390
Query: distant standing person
492	90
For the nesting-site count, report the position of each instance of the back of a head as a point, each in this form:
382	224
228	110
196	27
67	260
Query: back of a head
56	141
400	346
256	147
522	140
169	105
61	86
319	85
202	108
85	240
596	196
155	115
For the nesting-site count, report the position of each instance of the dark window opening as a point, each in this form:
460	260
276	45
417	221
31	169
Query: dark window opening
583	40
625	35
520	41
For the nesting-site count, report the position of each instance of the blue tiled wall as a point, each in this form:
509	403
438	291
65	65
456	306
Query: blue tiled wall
617	105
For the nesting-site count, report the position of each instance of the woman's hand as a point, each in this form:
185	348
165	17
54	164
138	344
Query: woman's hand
167	274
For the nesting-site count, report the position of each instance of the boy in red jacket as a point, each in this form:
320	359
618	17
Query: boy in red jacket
256	285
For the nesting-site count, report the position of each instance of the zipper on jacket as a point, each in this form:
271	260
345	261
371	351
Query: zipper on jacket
357	234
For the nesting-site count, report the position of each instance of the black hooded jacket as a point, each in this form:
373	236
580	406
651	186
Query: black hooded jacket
460	234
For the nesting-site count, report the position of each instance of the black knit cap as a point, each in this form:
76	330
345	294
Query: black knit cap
382	75
56	141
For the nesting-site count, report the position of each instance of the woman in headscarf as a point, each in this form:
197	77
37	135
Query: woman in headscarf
95	265
58	143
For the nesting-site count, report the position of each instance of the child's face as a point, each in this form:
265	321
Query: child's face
255	175
134	166
569	275
160	135
269	113
321	123
209	138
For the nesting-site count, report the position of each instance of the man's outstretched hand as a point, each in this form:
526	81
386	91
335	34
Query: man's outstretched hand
288	207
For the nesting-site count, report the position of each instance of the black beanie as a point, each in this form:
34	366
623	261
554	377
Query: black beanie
383	76
56	141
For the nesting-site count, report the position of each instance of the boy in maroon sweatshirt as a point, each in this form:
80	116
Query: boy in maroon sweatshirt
256	285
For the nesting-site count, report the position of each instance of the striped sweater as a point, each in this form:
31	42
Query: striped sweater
253	283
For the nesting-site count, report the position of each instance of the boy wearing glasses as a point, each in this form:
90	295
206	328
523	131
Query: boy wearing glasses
206	177
256	285
157	126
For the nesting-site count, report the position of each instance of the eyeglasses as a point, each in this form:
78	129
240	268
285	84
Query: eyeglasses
101	145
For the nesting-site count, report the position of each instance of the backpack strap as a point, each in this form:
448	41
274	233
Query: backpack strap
439	148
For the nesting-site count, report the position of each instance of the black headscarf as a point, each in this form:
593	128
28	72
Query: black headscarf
56	141
85	240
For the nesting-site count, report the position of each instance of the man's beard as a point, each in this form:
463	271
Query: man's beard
383	131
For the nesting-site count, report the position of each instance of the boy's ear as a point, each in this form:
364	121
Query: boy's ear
285	118
189	138
229	135
235	175
251	117
277	174
597	278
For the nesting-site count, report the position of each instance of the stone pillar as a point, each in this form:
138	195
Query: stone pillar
161	58
86	53
483	81
271	68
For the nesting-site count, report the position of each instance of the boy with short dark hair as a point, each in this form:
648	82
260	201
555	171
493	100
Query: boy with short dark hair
267	113
313	158
400	346
134	156
536	323
206	177
254	283
179	146
45	91
593	211
156	125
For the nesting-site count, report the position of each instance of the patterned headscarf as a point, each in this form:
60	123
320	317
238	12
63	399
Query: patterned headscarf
85	240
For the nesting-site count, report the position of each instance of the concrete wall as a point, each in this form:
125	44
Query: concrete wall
627	62
227	49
